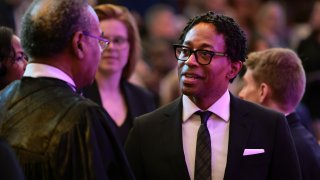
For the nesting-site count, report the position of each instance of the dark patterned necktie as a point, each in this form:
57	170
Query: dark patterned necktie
203	149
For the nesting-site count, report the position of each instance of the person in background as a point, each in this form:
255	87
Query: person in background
7	13
270	28
308	51
235	139
11	12
276	79
260	43
162	26
55	132
122	100
161	22
162	63
194	7
13	61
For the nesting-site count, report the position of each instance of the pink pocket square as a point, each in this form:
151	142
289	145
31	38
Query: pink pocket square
248	152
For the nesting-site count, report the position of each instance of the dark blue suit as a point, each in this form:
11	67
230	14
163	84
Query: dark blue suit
307	148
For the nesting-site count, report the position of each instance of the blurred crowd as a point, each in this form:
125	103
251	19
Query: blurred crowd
290	24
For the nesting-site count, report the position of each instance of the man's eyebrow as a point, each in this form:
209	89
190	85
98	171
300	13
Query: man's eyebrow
206	46
202	46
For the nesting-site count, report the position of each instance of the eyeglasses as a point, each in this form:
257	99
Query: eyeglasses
118	41
203	57
21	56
102	41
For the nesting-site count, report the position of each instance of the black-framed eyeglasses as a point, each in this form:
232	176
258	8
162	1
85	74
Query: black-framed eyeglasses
102	41
203	57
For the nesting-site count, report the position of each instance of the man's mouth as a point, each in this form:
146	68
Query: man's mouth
193	76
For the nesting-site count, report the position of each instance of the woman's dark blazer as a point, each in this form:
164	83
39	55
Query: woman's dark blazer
139	100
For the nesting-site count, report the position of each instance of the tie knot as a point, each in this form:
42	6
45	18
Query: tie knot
204	116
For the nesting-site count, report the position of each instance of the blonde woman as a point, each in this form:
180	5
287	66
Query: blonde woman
122	100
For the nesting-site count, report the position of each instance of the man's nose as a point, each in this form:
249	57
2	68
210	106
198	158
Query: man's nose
192	60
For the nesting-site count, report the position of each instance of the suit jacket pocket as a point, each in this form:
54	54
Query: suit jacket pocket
255	159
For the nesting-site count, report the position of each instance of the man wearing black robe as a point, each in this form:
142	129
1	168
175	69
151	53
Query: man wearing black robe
55	132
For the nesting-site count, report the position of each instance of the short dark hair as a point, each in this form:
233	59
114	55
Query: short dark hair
235	40
48	25
6	50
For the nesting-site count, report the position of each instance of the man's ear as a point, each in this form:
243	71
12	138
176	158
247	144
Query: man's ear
264	92
235	69
78	44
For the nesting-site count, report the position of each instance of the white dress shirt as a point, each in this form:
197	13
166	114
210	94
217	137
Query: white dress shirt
43	70
218	126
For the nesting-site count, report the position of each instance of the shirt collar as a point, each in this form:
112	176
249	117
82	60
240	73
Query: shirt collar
220	108
43	70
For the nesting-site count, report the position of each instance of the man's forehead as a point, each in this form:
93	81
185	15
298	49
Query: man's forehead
204	30
204	36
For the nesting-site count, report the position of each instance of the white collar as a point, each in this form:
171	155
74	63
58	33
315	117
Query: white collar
221	107
43	70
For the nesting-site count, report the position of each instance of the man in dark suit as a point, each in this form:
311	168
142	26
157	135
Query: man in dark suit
276	79
240	140
55	132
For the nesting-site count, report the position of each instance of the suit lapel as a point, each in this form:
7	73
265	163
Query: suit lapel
240	128
172	138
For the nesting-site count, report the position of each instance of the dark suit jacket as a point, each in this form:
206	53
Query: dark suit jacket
154	146
139	101
307	148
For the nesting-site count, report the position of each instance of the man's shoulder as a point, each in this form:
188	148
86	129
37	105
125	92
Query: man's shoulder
55	112
53	103
162	113
306	143
258	115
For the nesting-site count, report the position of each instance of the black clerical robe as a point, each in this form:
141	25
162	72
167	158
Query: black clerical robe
9	166
58	134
